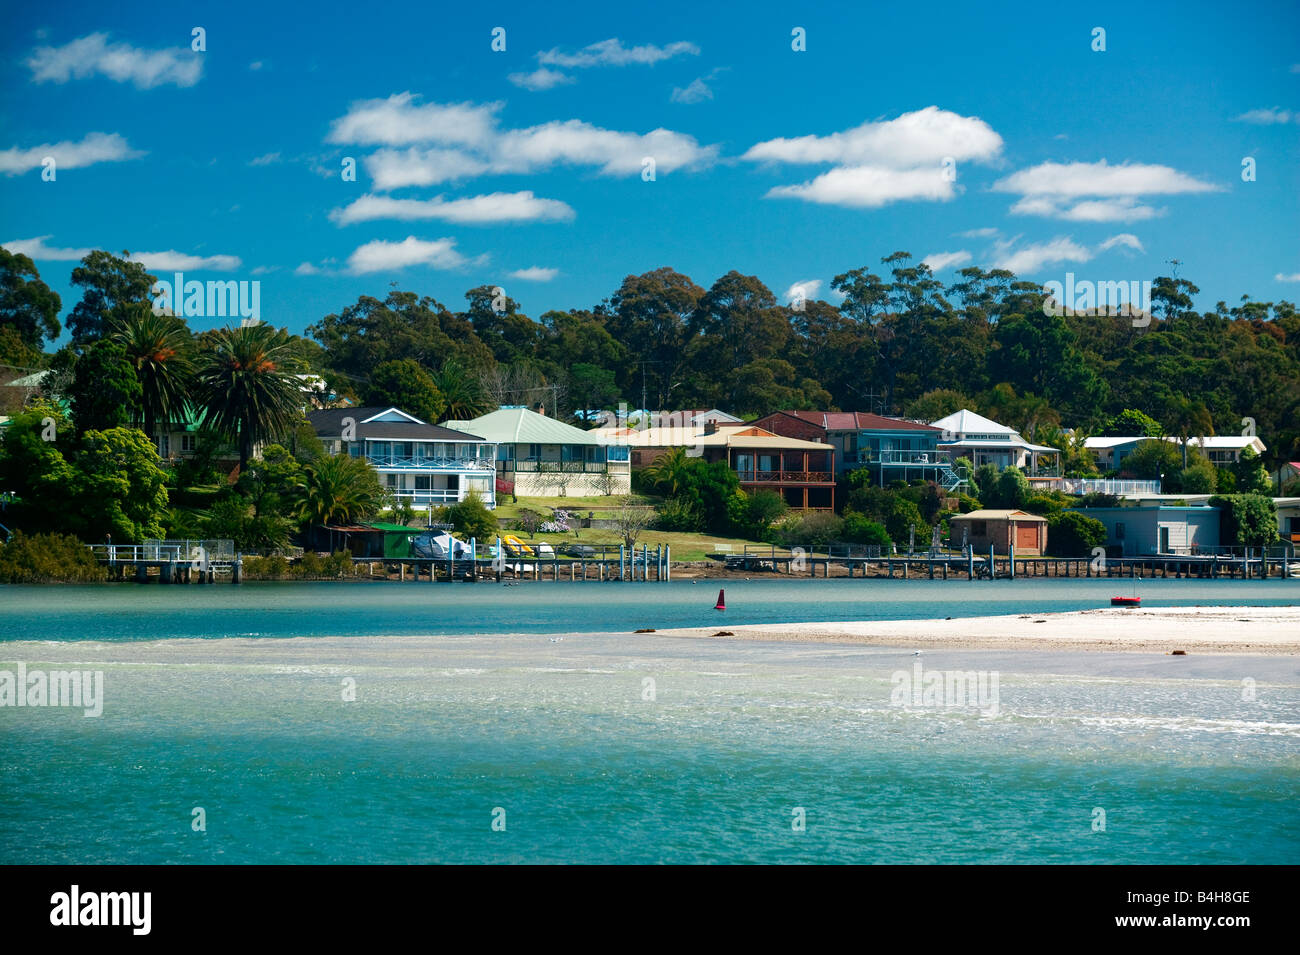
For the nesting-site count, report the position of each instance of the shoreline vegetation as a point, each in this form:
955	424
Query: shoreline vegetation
1268	631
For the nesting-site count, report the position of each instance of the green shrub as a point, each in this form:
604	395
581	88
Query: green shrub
677	514
1071	534
860	529
47	558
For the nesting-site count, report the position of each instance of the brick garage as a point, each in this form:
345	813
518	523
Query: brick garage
1001	529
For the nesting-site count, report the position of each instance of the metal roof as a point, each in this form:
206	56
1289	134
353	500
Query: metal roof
522	426
328	423
855	421
994	514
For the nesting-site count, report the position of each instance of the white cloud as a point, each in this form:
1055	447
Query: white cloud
476	210
535	274
1096	192
381	256
1126	239
38	251
611	52
876	163
118	61
1119	209
173	261
93	148
306	268
255	65
922	138
266	269
806	290
1281	277
1267	117
393	169
269	159
868	187
1031	258
696	92
169	261
400	121
574	142
939	261
540	79
987	232
464	140
1080	179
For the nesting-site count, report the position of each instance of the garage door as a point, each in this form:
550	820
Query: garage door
1026	537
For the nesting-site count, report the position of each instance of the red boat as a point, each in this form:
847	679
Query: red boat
1126	601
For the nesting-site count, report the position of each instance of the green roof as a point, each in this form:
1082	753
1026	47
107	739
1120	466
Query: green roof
381	526
521	426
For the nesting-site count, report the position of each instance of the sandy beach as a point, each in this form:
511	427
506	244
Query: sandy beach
1272	631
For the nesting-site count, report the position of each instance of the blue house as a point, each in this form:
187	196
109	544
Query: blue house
1156	529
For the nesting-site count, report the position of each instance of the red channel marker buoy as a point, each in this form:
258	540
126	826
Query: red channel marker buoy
722	603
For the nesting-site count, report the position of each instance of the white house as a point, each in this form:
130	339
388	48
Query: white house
969	435
1221	449
542	457
423	464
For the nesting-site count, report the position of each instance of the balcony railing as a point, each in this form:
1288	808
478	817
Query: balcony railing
1115	486
429	464
563	467
785	477
434	496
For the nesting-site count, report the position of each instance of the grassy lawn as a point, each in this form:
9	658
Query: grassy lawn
508	511
685	546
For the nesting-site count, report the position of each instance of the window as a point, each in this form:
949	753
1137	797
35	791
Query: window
189	442
391	479
422	482
164	445
1119	530
534	452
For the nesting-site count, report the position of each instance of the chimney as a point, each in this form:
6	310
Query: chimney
711	426
541	409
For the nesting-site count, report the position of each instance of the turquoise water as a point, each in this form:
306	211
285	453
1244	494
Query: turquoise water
152	612
451	723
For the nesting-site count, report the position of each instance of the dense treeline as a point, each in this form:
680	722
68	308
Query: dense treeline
899	341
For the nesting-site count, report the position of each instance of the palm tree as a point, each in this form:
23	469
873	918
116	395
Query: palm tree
463	392
247	385
161	350
668	472
340	489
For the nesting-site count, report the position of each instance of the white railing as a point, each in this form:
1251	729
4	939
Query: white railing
429	464
1116	486
435	495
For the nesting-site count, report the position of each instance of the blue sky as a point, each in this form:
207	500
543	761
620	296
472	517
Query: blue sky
524	168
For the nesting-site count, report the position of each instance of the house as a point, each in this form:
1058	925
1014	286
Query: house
542	457
1288	518
1222	450
802	472
893	448
1151	529
423	464
984	441
1285	475
1000	529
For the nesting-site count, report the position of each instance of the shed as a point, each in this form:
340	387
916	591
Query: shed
1001	529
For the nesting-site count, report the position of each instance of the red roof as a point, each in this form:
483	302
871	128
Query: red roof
856	421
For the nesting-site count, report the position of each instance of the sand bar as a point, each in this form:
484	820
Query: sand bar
1254	630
